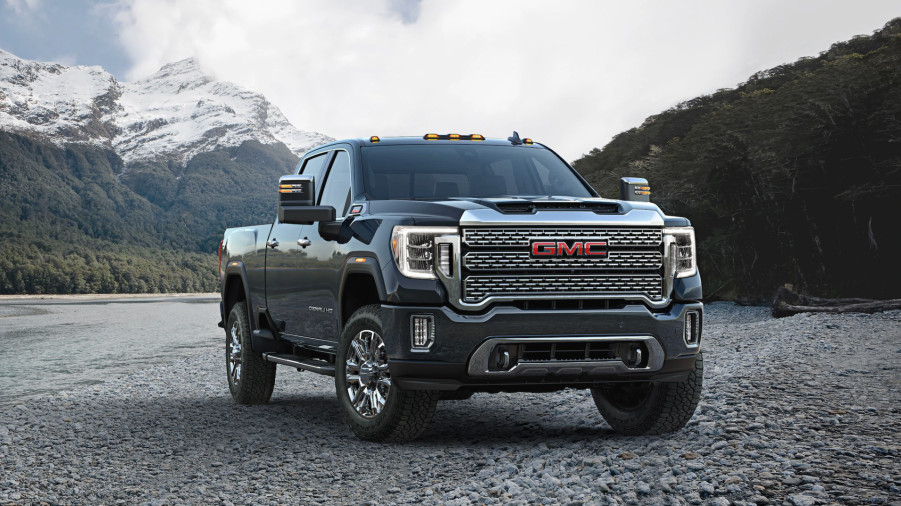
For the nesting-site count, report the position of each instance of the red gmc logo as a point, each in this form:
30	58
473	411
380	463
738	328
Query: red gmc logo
570	247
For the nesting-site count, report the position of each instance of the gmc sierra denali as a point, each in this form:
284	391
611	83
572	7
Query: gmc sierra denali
420	269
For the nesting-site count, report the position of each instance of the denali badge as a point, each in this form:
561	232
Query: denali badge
567	248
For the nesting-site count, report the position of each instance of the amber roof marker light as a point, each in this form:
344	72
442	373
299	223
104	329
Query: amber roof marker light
453	137
374	139
527	142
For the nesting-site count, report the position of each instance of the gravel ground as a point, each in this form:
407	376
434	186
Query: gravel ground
799	411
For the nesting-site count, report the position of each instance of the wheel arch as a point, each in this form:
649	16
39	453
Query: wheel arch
361	285
235	290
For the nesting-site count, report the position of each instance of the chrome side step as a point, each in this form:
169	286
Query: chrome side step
317	366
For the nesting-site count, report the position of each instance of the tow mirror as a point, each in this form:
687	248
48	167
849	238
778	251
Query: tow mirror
296	199
635	189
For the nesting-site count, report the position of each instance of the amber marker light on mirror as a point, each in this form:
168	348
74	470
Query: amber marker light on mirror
360	260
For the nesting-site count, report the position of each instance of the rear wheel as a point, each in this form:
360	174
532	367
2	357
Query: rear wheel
372	405
646	408
250	378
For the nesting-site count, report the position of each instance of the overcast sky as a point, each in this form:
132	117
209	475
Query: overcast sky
566	73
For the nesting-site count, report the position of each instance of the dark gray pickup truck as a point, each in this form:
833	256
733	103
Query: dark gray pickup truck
421	269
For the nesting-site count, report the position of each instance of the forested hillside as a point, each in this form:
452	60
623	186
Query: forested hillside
75	220
792	177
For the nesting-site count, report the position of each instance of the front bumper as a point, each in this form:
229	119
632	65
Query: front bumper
452	362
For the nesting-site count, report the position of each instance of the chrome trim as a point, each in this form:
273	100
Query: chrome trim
478	364
500	261
478	287
490	217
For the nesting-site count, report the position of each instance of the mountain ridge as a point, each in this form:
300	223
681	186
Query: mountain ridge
112	187
174	114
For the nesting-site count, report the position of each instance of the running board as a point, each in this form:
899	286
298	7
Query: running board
317	366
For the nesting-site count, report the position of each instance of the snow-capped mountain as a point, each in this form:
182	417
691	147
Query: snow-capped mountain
174	114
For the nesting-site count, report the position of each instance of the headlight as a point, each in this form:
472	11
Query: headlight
683	251
414	249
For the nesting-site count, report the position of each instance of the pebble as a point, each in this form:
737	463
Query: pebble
772	429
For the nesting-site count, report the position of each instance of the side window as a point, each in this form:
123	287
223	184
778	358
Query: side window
313	167
336	192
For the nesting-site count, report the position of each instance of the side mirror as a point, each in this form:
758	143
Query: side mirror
635	189
296	196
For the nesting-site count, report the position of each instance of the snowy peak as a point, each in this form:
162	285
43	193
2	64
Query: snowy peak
66	103
177	76
178	112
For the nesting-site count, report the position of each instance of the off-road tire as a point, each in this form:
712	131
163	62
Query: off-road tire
406	414
667	407
257	376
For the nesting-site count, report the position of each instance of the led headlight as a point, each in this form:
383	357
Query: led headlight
414	249
682	250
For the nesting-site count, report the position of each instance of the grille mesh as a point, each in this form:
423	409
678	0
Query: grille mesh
520	260
478	237
476	288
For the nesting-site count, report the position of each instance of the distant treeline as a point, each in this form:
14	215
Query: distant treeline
76	220
792	177
44	269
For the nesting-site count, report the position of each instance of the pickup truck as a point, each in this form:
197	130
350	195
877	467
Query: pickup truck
421	269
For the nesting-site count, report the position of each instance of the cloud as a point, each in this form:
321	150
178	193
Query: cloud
569	74
21	7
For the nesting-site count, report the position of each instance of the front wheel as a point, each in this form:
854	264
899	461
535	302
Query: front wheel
373	407
250	378
646	408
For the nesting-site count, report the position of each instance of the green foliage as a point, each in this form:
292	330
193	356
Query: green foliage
792	177
75	220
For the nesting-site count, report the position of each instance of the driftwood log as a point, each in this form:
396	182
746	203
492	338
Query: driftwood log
787	303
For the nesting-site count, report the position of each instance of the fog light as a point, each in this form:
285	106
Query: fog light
692	332
444	259
422	328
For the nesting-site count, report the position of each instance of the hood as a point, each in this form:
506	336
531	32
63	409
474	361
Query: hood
526	210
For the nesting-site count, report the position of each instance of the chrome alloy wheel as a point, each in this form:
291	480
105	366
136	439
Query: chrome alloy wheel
234	354
367	377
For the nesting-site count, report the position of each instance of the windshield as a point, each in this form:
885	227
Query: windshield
442	171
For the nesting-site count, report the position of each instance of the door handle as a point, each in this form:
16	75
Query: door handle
303	242
272	243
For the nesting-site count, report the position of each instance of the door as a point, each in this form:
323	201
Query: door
283	259
323	259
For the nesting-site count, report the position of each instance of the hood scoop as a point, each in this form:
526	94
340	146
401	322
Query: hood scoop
533	207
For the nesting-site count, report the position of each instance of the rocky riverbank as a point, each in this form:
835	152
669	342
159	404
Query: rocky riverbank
802	410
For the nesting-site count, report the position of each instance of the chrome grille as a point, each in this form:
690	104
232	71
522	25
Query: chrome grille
520	260
478	237
477	288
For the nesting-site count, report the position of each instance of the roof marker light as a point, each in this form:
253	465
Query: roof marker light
477	137
453	137
431	137
527	141
374	139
